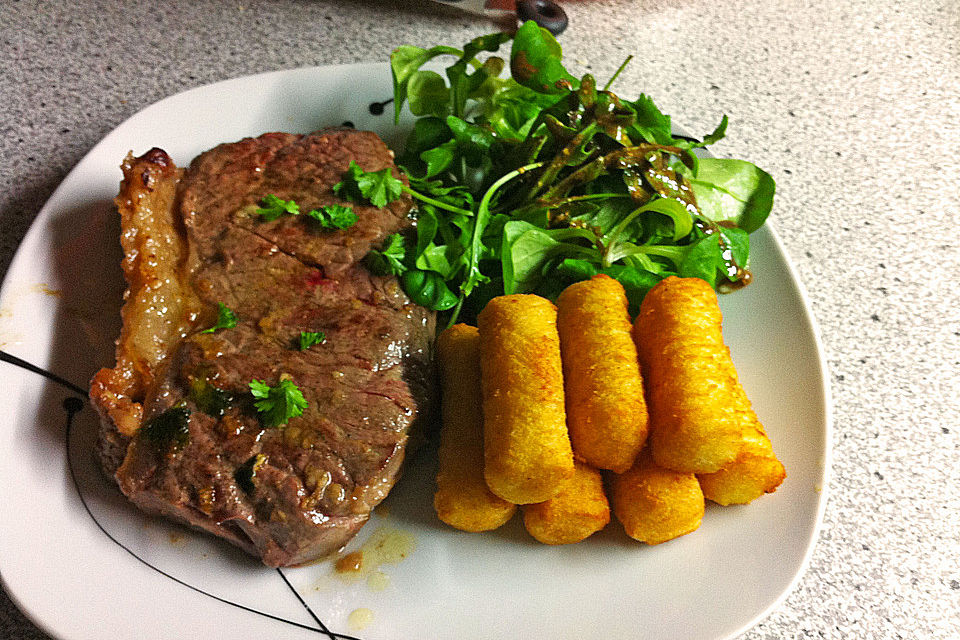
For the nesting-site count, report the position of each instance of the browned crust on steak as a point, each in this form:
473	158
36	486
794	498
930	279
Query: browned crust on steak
192	239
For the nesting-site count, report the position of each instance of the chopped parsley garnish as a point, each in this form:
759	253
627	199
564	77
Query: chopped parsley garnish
169	431
279	403
226	319
376	187
334	216
310	338
389	260
272	207
208	398
247	471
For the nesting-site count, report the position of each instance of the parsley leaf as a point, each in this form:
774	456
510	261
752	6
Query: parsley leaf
278	403
388	261
334	216
246	472
310	338
377	187
226	319
272	207
169	431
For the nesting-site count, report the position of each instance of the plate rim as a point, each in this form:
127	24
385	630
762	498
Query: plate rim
827	454
825	472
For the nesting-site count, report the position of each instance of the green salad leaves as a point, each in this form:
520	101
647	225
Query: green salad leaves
530	182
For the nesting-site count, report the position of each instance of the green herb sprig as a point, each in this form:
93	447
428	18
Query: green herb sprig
334	216
310	338
169	431
278	403
245	473
226	319
272	207
376	187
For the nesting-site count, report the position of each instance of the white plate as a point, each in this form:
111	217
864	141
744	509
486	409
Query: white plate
82	563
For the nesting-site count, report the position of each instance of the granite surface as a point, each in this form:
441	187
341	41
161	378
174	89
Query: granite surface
853	106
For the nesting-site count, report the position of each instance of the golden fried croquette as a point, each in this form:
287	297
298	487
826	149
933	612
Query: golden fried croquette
699	414
755	471
606	411
577	512
655	504
463	499
527	453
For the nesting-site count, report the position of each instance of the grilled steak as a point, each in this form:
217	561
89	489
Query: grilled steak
180	432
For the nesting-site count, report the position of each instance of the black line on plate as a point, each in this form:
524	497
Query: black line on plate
323	627
72	406
377	108
14	360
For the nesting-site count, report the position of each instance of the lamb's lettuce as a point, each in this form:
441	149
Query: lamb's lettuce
529	182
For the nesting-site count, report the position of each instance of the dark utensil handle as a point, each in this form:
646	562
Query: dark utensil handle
546	13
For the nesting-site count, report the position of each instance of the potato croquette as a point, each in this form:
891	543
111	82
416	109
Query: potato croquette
656	504
756	471
463	499
527	453
606	411
699	414
577	512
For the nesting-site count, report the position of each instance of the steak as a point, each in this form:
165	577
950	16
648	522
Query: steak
180	433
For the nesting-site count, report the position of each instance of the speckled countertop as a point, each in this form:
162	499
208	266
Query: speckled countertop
853	106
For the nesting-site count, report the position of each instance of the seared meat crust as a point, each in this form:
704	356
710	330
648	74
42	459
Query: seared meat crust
192	240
